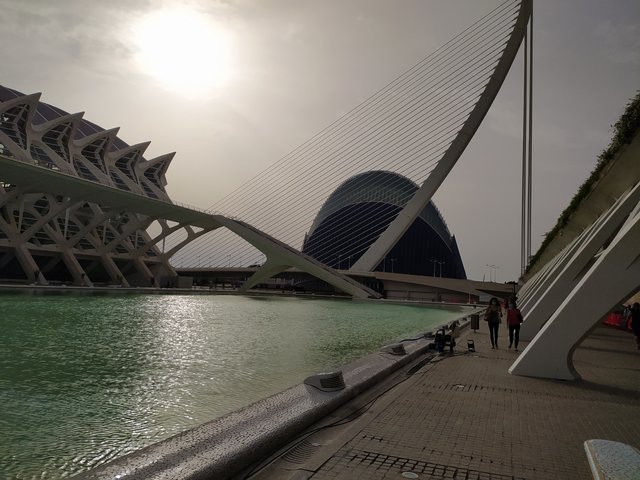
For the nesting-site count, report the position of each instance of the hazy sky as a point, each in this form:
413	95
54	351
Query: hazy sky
289	68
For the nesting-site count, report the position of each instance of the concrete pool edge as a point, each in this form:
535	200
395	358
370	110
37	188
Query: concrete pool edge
223	447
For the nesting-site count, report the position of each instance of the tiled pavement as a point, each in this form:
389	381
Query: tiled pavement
465	417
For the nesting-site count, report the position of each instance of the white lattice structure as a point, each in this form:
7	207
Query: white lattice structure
45	237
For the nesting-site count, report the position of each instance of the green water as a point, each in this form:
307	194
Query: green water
87	378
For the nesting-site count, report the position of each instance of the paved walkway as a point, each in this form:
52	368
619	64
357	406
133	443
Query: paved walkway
464	417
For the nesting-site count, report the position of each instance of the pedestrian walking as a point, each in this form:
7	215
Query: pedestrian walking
514	319
493	316
635	321
626	317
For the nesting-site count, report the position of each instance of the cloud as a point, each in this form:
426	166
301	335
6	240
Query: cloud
292	31
87	35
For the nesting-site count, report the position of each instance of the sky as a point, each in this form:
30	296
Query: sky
285	69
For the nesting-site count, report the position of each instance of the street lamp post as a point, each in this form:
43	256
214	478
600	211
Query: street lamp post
492	272
513	287
434	266
393	260
441	263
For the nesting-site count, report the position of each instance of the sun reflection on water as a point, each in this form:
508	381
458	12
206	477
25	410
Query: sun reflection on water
86	379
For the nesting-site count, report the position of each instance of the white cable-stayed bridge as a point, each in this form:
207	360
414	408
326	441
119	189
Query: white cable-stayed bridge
397	147
416	126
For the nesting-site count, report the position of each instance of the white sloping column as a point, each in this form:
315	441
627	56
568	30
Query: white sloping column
281	256
582	253
115	274
28	264
541	281
614	277
74	267
269	269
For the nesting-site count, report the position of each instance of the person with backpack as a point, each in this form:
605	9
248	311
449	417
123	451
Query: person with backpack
514	320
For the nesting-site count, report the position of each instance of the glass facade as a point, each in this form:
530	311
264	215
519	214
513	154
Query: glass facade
360	209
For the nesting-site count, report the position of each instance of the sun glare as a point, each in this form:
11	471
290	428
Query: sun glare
183	50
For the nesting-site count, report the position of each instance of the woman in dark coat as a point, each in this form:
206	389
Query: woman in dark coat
493	316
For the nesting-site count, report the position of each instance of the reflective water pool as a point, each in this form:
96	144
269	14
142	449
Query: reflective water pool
87	378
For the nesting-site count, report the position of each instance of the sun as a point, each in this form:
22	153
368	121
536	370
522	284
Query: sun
185	51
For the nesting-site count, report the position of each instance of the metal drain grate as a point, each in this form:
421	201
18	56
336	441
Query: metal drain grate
459	387
432	470
572	392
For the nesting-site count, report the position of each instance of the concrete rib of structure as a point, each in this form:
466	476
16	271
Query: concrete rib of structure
47	238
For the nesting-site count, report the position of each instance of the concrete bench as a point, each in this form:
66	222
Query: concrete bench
611	460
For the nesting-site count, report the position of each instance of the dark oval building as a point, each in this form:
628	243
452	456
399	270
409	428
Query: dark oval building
361	208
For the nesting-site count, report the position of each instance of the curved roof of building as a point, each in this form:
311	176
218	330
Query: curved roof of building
379	186
45	113
50	137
